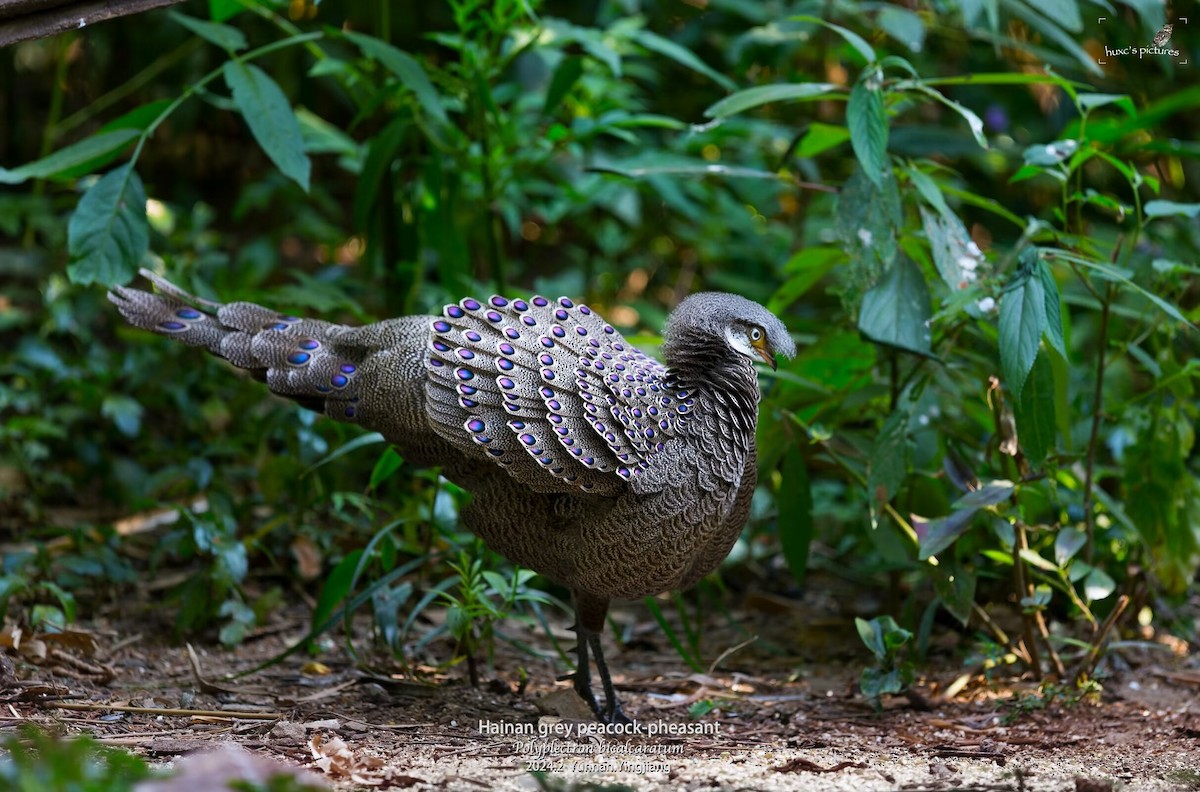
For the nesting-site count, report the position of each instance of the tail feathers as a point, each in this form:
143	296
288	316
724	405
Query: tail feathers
300	359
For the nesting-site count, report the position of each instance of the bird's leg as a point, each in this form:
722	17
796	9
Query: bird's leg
583	671
590	613
612	712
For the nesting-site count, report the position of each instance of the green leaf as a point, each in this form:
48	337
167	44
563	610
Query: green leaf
795	504
930	191
353	445
405	67
1054	321
1160	208
904	26
867	121
1098	585
872	636
698	168
955	588
875	682
1022	321
896	310
1092	100
990	494
955	254
125	412
565	76
224	36
221	10
806	268
852	38
380	157
974	122
683	56
1068	542
820	138
935	536
891	456
270	118
1032	558
1109	272
1052	31
70	157
1034	412
765	94
385	467
1044	155
1064	12
337	587
322	137
107	235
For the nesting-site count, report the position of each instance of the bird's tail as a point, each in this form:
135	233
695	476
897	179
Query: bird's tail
325	367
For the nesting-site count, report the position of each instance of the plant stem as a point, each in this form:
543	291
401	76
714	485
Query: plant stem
1025	589
1097	403
1093	655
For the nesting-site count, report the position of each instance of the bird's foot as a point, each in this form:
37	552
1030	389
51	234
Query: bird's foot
613	715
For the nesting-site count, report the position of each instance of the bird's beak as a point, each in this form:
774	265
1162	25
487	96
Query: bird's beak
767	357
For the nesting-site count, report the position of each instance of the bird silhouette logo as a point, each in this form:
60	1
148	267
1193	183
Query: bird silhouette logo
1162	36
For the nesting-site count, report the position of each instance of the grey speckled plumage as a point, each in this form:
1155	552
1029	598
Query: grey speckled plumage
590	462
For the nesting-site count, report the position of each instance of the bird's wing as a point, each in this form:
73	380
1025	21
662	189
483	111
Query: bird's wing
551	392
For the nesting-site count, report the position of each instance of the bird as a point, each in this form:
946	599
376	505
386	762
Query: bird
1163	35
604	470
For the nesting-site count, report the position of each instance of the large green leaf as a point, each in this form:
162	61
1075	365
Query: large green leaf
224	36
683	56
896	310
107	235
935	536
891	456
903	25
991	493
805	269
405	67
955	588
1161	208
1054	320
795	513
270	118
68	158
765	94
852	38
1034	411
867	121
568	72
1022	320
954	253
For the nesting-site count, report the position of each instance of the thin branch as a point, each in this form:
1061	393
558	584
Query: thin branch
1097	411
44	19
1092	657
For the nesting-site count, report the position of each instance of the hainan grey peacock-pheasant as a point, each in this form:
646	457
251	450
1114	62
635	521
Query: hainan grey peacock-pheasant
599	467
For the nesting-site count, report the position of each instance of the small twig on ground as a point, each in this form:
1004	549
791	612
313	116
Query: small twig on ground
169	712
721	657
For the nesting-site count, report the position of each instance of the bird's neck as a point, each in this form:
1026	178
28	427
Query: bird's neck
719	376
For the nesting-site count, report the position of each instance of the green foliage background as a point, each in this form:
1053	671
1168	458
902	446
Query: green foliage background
984	240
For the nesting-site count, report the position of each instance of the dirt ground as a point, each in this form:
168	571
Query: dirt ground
786	713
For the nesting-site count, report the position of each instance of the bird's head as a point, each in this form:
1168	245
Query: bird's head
710	326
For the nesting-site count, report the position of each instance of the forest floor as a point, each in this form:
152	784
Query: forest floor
786	712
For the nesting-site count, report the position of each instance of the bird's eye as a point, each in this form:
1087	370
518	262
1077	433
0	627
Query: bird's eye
756	334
